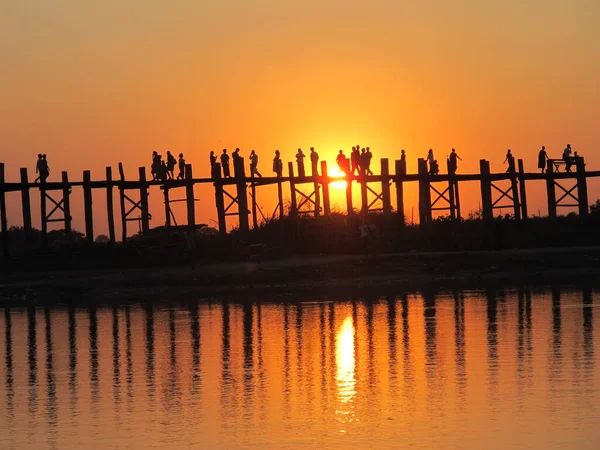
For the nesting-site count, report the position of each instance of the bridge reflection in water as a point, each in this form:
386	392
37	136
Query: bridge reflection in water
484	369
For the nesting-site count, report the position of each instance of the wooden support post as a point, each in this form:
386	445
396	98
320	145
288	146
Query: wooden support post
515	196
110	214
486	190
167	201
582	193
253	191
522	190
364	194
280	197
457	200
293	206
26	205
349	206
451	191
400	173
144	200
67	207
189	196
44	222
424	193
325	186
3	220
122	198
87	204
550	190
219	201
385	186
317	193
242	194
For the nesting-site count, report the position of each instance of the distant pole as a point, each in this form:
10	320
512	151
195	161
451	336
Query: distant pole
87	204
451	191
515	195
349	207
522	190
219	201
3	220
26	205
582	188
385	186
364	207
109	205
325	185
144	200
189	196
122	199
167	202
424	194
43	214
280	197
486	190
67	207
315	176
242	194
550	190
457	199
400	173
253	191
293	207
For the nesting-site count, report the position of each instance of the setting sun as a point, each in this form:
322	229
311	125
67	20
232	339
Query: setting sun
335	171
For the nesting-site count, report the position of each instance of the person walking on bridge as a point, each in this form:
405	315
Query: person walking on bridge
277	164
314	162
355	160
510	159
225	164
254	165
213	165
369	157
542	158
430	159
453	162
300	161
181	164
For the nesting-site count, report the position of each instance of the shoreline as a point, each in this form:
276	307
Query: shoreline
348	274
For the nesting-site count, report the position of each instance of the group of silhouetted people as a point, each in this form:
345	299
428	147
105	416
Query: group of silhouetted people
224	163
568	157
41	168
359	162
434	167
164	169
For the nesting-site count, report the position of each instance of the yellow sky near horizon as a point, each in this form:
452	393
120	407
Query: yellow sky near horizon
91	84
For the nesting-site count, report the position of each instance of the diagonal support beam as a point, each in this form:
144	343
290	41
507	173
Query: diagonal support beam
504	194
566	193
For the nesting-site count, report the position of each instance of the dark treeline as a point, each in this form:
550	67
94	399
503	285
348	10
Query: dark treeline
336	234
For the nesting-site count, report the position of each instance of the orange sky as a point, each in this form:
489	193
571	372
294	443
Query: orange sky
92	84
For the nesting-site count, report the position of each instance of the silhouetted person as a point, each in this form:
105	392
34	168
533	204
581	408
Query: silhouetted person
510	159
225	164
213	165
162	175
314	161
300	161
453	162
434	168
542	157
155	168
44	169
368	159
567	158
254	164
363	162
430	158
339	160
171	163
355	160
181	164
235	156
403	156
38	166
277	164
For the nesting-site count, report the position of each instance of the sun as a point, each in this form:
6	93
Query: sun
336	172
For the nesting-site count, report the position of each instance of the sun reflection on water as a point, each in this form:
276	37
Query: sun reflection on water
346	375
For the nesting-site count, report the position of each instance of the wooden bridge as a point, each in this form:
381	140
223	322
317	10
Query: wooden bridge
308	195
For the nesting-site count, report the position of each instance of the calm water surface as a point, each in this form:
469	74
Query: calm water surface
470	370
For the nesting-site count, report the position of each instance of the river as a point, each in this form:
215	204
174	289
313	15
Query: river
481	369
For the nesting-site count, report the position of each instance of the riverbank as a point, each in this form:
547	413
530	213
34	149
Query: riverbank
333	274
